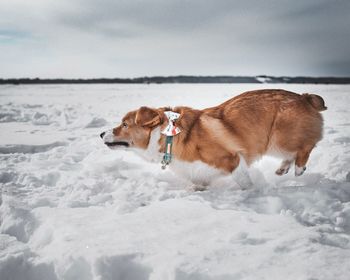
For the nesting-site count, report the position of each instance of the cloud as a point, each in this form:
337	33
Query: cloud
133	38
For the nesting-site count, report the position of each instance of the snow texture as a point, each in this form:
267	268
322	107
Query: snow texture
70	208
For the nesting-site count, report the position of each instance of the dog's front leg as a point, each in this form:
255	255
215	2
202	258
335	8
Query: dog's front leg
197	188
241	174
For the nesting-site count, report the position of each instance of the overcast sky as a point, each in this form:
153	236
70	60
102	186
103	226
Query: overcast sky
130	38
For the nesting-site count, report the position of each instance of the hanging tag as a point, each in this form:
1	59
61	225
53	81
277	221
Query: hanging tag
171	128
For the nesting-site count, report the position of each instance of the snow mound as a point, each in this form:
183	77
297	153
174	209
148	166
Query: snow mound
96	122
18	262
30	149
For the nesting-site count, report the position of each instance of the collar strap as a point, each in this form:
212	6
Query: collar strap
170	131
167	154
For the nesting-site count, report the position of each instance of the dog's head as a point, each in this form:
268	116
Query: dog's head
135	129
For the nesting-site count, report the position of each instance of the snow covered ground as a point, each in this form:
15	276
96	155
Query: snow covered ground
73	209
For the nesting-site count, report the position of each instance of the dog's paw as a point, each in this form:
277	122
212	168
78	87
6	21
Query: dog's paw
299	170
282	171
197	188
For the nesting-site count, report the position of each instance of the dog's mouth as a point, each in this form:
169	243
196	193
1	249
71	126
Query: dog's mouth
117	143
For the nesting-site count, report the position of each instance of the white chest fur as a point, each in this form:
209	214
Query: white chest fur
197	172
152	153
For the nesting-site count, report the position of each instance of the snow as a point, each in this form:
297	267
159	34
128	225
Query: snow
70	208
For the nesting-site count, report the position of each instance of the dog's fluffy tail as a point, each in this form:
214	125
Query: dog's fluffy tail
315	101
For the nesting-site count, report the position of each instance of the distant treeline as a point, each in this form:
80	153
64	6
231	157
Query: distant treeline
185	79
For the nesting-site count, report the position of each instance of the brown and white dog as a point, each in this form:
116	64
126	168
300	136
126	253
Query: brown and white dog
215	140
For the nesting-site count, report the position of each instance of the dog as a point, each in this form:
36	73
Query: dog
216	141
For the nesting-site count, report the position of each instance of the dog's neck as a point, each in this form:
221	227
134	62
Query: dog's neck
151	153
156	146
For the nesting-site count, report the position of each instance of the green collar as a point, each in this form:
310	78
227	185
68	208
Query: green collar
170	131
167	154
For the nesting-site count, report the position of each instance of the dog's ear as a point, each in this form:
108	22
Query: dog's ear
147	117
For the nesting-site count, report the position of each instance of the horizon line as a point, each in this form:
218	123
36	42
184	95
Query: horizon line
180	75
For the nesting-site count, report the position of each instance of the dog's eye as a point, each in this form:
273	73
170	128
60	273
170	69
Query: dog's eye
125	125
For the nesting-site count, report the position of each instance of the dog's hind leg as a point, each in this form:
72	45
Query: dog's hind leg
284	168
301	160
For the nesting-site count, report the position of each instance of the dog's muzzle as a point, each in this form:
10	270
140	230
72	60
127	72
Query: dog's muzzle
110	140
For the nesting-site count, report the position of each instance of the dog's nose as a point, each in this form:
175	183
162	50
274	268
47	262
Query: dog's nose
102	134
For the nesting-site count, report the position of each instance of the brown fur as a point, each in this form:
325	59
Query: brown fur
250	124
